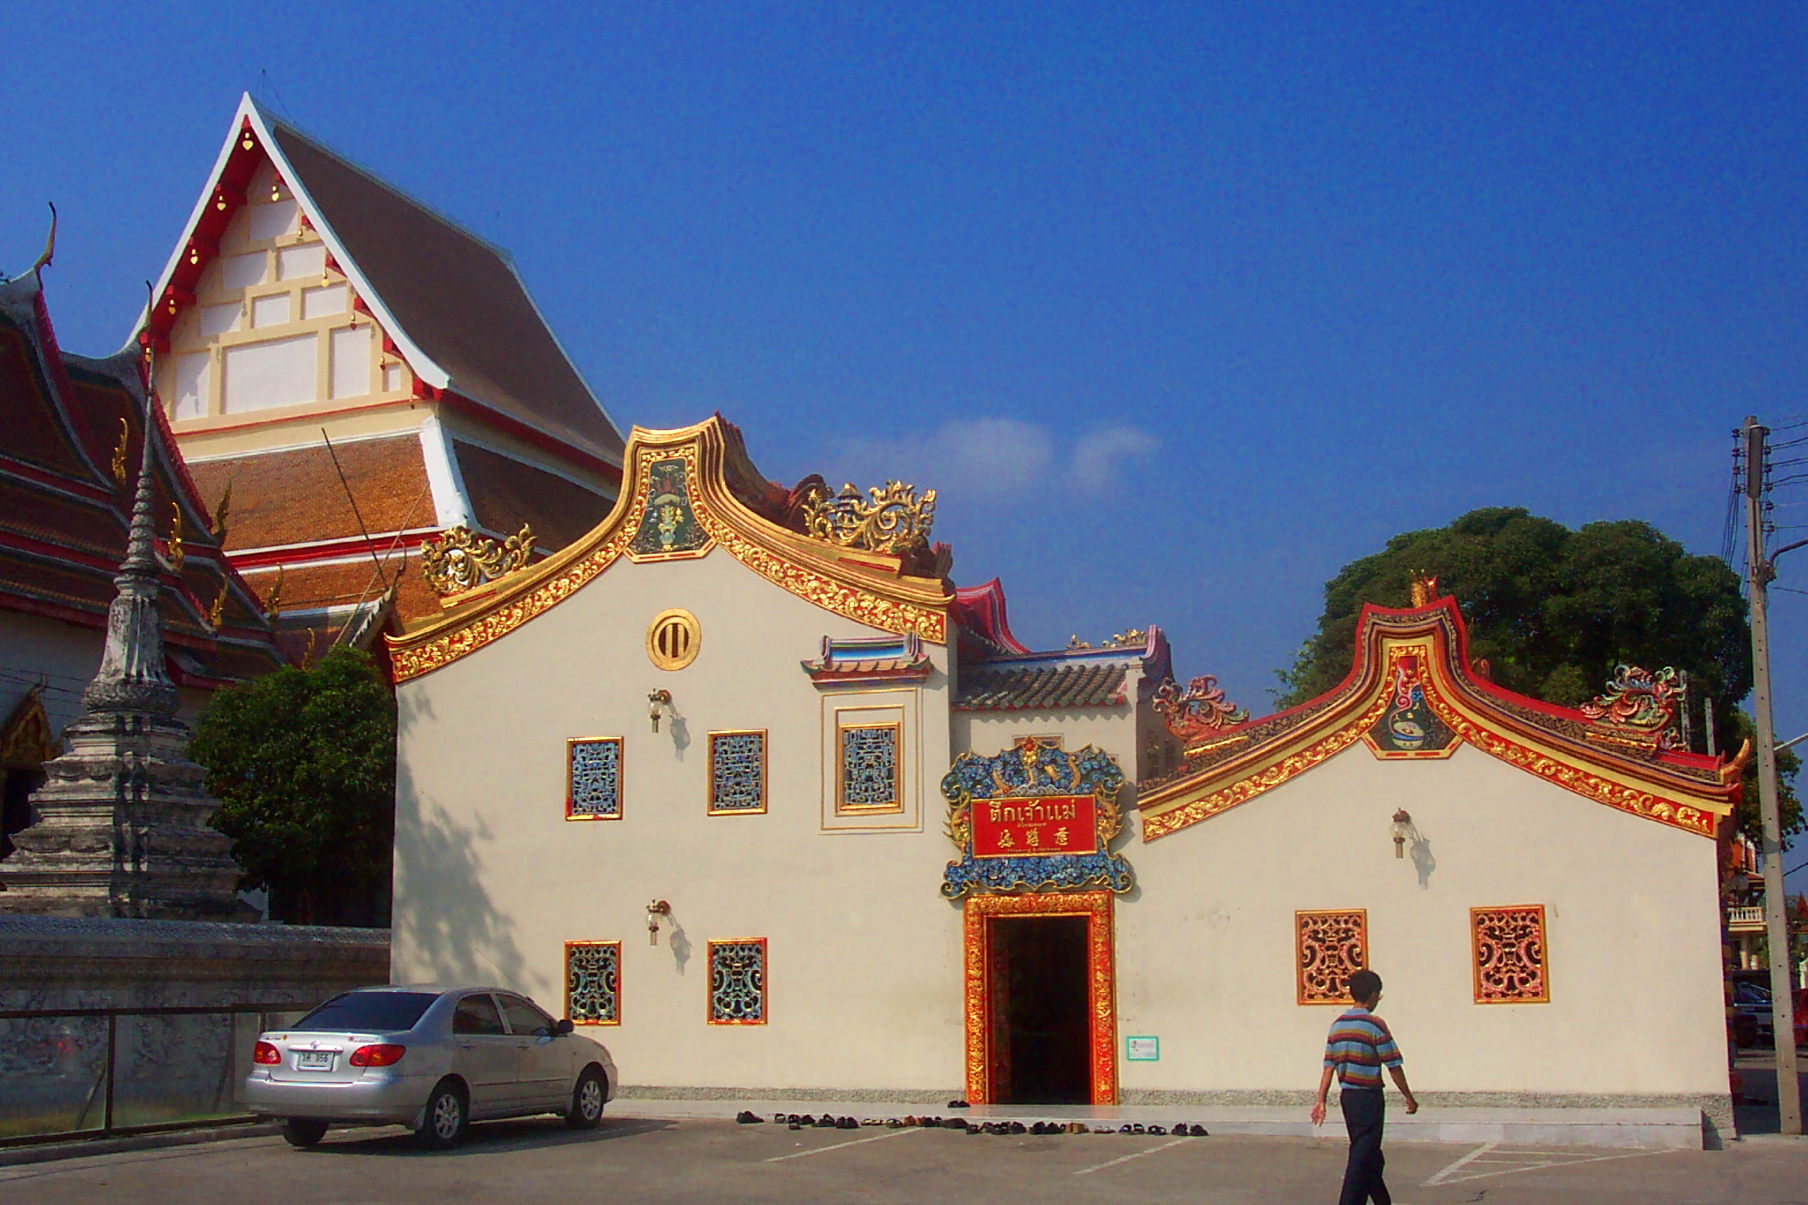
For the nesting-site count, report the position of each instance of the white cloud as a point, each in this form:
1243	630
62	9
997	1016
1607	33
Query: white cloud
1097	457
990	458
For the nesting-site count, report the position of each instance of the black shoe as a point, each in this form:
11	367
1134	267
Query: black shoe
1158	1131
958	1104
976	1130
1199	1131
794	1126
1124	1129
746	1118
1017	1127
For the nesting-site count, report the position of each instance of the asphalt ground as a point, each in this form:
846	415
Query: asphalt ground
635	1160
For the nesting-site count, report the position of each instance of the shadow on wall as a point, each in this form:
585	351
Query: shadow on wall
444	917
1422	859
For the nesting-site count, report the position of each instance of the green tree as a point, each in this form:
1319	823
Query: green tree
1554	611
303	763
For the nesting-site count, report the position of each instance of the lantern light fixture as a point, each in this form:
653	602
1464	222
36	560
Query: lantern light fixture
1402	829
655	910
657	702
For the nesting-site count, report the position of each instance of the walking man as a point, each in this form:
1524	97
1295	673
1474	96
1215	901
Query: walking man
1358	1047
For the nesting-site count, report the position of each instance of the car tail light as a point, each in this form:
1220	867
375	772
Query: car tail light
266	1054
377	1056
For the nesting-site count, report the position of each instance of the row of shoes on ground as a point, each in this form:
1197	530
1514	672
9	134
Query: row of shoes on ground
798	1121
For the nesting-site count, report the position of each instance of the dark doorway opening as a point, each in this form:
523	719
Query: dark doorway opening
15	804
1043	1023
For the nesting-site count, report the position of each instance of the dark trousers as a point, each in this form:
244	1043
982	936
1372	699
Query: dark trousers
1364	1111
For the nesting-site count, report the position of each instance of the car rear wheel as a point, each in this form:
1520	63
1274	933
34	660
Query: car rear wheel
303	1132
443	1120
586	1101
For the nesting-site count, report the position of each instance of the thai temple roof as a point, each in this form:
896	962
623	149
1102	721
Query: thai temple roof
451	303
75	437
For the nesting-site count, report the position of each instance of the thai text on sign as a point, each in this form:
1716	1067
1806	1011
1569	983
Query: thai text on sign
1033	827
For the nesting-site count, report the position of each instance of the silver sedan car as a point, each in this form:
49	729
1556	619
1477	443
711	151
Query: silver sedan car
432	1058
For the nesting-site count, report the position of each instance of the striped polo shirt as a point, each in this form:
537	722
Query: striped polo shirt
1359	1046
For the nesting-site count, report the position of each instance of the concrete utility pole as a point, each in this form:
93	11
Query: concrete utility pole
1776	922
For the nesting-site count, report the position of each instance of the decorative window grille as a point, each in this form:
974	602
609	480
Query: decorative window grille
737	773
593	982
737	981
594	778
1329	947
868	759
1509	950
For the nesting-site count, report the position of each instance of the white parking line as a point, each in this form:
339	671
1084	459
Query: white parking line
1513	1162
1477	1153
1087	1171
838	1145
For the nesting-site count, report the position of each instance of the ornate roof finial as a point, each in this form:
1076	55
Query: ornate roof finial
49	243
1424	588
131	675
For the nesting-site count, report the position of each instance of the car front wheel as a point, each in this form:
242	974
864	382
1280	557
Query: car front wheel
586	1101
303	1132
443	1120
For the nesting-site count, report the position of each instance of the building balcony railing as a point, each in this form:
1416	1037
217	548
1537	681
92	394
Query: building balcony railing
1745	920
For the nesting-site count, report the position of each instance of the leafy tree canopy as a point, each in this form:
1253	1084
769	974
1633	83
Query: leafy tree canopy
1554	611
303	763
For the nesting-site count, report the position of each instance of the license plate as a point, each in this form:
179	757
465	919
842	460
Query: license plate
313	1060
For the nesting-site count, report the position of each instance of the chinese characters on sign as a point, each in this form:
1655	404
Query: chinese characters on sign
1050	824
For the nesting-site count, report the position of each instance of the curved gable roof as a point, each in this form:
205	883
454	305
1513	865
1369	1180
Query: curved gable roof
700	474
1557	744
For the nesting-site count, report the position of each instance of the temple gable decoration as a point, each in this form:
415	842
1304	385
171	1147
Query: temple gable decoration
1412	693
687	493
1034	818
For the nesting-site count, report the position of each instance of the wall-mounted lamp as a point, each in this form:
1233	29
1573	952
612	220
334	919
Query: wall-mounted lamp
657	701
655	910
1402	830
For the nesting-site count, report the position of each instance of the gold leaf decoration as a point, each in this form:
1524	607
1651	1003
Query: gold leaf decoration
889	518
177	554
461	559
119	452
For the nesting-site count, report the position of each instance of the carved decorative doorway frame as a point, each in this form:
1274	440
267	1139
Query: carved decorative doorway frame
987	1060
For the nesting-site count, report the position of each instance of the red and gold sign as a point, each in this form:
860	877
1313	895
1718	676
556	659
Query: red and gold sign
1050	824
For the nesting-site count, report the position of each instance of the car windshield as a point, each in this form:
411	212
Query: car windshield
371	1012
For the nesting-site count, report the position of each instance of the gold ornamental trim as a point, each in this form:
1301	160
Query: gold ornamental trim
863	586
987	1059
1516	742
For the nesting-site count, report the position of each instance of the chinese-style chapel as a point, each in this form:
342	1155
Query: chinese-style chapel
741	775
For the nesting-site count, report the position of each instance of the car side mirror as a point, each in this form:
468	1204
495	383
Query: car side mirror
562	1028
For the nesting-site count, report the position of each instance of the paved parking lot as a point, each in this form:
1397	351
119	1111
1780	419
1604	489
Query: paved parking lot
714	1161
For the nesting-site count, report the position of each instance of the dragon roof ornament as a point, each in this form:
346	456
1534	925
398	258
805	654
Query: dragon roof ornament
1639	708
1198	710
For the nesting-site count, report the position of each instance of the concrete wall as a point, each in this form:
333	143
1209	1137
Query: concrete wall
1206	947
492	880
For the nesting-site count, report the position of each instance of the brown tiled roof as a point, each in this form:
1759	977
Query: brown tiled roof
1042	688
345	583
505	493
295	497
455	297
64	518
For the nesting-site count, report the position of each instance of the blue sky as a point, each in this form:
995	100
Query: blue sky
1180	307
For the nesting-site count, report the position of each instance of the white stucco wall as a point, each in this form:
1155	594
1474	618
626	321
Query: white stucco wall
491	880
63	656
1206	944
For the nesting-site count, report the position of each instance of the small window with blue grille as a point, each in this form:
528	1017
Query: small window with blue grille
737	773
593	778
737	981
869	769
593	982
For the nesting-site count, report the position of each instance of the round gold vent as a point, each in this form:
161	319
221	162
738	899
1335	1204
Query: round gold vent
673	639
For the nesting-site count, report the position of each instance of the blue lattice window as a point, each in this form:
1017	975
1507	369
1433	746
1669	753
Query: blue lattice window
594	778
737	981
593	982
737	773
868	760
